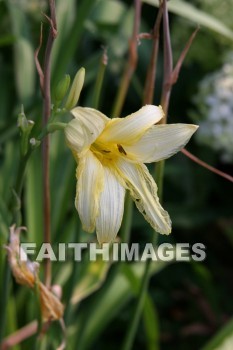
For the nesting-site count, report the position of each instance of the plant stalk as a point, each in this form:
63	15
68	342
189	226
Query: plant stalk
99	80
131	63
45	143
148	98
127	219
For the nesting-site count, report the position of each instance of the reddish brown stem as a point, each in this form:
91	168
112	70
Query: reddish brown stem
151	72
19	336
168	63
176	71
170	78
170	75
131	63
207	166
145	36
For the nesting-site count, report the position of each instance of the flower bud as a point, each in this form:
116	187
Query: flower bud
22	121
62	88
75	90
25	127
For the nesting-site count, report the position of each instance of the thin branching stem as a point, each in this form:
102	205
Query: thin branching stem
151	71
20	335
168	63
206	165
131	63
148	98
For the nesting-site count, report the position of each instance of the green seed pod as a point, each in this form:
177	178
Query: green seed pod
75	89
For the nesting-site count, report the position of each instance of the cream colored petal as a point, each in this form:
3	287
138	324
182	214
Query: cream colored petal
111	209
144	192
160	142
130	129
90	178
85	128
74	135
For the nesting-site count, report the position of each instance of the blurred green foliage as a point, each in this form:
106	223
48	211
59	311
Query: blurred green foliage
188	302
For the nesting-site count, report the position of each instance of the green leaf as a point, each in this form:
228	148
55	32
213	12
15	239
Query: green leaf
188	11
4	221
69	42
92	277
25	71
223	339
150	317
65	14
107	12
6	40
108	303
33	199
62	169
12	321
151	324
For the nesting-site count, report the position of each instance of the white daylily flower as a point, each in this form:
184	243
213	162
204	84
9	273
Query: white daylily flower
110	154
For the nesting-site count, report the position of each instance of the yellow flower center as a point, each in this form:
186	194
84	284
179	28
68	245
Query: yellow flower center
107	152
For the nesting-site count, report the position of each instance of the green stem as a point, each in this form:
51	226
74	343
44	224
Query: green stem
20	175
4	298
159	176
15	207
129	339
50	128
73	280
69	310
38	306
41	343
127	219
122	92
130	336
99	81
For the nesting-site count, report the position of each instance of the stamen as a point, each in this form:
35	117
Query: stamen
121	149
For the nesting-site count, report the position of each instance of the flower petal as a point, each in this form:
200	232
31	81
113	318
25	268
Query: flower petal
90	178
160	142
111	209
85	128
143	189
74	135
130	129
